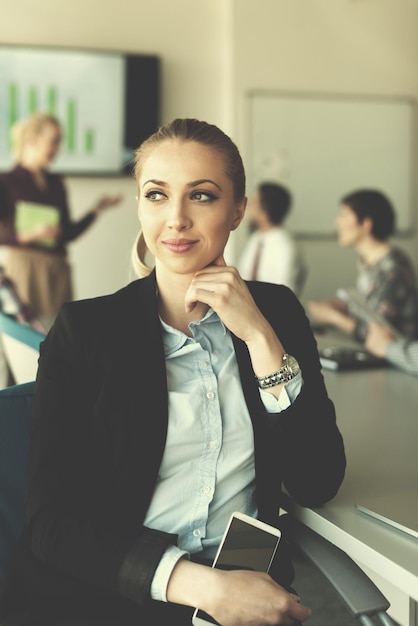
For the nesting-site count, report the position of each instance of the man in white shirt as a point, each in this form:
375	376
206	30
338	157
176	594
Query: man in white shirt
271	254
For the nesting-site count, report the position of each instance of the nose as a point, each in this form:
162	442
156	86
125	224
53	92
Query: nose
178	216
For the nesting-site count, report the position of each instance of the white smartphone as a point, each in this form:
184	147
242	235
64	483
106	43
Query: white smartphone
247	543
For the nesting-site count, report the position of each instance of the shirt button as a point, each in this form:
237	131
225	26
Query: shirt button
210	395
196	532
206	489
213	444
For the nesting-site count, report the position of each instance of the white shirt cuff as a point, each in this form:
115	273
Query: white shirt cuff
163	572
288	395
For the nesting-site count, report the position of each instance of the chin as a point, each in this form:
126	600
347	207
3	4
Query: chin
345	243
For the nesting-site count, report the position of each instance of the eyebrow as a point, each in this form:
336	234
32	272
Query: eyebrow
194	183
154	181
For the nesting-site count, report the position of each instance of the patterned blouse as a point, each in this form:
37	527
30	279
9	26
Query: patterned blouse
389	287
404	354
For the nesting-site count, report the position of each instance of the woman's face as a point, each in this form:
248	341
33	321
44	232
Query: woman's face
46	144
186	205
349	230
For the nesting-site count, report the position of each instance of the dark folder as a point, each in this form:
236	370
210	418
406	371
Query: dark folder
347	358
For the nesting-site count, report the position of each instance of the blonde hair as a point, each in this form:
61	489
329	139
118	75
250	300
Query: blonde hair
25	129
188	129
138	255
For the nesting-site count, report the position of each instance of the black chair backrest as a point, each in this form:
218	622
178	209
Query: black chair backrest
15	416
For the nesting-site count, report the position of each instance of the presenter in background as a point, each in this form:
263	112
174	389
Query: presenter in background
37	218
386	280
271	254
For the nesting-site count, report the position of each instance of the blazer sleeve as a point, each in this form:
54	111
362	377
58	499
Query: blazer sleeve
83	509
301	447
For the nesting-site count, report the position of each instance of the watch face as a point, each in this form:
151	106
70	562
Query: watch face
292	364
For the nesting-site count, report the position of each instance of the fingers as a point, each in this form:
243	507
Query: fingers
206	280
294	611
300	612
109	201
254	598
189	302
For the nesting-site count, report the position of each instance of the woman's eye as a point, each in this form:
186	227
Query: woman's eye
203	196
154	195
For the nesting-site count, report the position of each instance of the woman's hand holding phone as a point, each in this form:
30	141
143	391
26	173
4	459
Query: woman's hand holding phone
233	597
237	590
251	598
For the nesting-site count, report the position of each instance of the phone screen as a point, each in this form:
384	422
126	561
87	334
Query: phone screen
247	544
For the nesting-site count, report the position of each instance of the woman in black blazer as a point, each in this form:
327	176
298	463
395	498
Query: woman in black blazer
162	408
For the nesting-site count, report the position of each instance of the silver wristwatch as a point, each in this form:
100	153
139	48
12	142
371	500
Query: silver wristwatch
289	370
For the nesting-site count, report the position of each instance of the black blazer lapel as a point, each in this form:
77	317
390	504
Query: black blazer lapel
140	382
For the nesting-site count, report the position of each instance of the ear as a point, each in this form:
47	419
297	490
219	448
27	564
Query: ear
367	225
239	213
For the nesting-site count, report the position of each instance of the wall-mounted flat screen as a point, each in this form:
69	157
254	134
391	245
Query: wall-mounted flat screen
106	102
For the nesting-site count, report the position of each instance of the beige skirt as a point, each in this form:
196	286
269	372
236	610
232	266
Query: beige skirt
42	280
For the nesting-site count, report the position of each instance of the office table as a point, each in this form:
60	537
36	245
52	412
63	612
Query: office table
377	413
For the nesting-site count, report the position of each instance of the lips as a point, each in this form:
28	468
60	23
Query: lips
179	245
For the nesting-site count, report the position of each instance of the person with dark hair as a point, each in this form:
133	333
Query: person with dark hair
161	409
386	283
375	206
271	253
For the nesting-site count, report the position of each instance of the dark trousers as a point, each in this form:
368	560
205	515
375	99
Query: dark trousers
155	614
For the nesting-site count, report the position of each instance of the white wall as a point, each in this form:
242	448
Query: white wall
326	46
213	52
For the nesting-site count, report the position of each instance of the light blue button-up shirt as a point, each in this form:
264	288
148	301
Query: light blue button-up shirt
207	470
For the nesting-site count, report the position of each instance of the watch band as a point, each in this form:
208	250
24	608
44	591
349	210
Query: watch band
287	372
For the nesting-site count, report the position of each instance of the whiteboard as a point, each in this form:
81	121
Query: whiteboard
322	147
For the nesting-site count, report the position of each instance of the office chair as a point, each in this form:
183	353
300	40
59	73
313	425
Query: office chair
21	348
362	598
15	415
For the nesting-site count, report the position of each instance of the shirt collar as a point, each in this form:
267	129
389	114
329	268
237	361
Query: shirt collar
174	339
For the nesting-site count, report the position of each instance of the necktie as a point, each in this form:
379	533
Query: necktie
256	262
